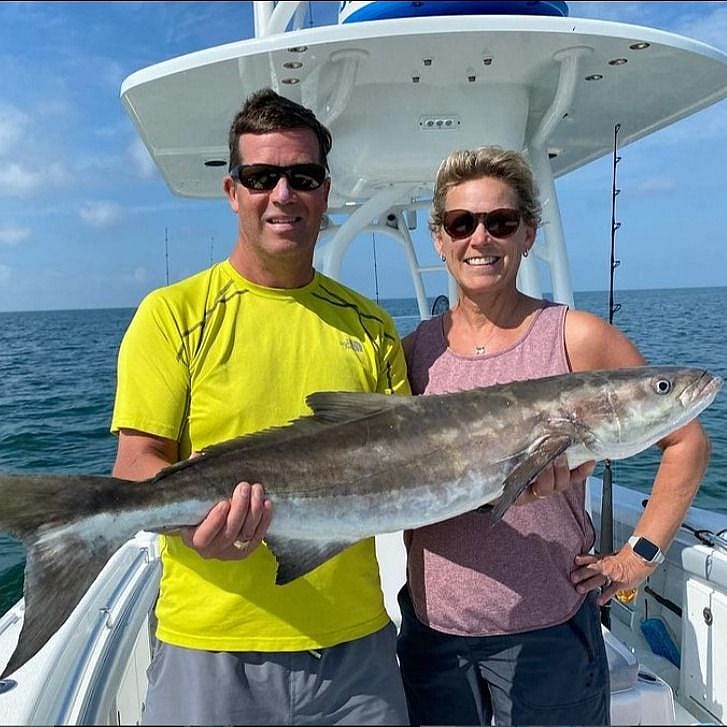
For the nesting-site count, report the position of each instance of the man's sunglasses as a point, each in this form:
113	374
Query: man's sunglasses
264	177
500	223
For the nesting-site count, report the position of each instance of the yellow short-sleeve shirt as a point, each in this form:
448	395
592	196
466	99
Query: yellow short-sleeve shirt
214	357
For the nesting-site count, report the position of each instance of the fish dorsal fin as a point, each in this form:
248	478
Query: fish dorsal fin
329	407
342	406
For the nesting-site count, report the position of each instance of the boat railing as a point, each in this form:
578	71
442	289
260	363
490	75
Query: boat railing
86	672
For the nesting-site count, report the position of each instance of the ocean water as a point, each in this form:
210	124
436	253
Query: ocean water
58	376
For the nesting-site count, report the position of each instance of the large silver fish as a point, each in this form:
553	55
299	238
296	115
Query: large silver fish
362	464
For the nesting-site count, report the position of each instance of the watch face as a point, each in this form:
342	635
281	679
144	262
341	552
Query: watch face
646	549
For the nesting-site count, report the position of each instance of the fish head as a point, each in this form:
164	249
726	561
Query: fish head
628	410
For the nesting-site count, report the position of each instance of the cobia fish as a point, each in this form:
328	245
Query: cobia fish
361	464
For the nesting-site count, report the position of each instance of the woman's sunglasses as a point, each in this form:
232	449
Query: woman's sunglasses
264	177
500	223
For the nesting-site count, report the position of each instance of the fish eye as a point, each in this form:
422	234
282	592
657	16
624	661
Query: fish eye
662	386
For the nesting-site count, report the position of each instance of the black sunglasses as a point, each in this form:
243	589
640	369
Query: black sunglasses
500	223
264	177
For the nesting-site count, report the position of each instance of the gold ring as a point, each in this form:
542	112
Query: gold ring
534	492
242	545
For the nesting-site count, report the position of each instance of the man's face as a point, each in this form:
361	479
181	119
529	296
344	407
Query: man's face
277	229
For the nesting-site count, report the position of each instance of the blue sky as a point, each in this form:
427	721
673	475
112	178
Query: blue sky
83	211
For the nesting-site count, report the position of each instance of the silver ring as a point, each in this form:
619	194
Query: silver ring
242	545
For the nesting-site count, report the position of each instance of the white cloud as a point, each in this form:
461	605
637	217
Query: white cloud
625	12
17	181
656	185
12	127
138	275
708	25
141	275
101	214
141	159
11	235
96	164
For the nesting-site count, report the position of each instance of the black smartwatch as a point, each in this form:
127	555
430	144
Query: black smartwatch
646	550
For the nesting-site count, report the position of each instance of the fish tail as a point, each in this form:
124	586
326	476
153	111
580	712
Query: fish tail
36	502
63	556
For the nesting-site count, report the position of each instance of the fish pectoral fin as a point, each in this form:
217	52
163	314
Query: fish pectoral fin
534	461
296	557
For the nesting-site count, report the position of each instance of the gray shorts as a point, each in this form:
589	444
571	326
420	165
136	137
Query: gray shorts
357	682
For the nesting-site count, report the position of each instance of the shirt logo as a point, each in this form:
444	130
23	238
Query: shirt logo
352	345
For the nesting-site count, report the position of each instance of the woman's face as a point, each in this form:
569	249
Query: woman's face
482	261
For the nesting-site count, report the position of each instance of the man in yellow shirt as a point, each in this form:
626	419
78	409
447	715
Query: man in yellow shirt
232	350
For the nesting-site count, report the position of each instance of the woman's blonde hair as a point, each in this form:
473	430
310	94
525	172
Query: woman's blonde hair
509	166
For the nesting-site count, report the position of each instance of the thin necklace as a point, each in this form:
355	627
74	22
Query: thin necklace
480	349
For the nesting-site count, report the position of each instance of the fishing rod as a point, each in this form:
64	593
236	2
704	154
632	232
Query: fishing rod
376	269
166	257
606	543
703	535
614	307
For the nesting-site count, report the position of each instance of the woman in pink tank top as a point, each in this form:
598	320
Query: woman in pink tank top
503	621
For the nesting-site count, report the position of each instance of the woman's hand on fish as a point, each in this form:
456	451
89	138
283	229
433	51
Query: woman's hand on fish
557	477
233	528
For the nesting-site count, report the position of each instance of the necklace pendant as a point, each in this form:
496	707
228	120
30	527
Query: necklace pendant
479	350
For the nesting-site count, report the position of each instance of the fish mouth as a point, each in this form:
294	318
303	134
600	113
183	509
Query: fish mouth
702	391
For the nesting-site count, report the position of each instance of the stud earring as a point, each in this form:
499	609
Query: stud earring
444	259
525	253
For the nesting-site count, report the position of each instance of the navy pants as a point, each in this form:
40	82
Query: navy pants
551	676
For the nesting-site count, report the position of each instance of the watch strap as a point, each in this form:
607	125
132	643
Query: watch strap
646	550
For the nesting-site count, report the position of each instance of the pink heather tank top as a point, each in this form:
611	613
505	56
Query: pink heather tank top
466	577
